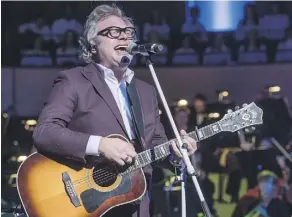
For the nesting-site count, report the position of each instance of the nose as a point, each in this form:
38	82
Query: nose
123	36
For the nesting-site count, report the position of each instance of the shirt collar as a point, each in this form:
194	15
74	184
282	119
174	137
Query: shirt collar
109	74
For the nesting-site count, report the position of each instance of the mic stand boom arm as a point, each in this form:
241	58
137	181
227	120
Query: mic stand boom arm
182	146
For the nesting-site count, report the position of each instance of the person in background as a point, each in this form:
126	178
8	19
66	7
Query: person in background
265	200
197	32
198	116
181	118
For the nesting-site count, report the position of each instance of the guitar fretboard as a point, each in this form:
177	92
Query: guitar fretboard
158	152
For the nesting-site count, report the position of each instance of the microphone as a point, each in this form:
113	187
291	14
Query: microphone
125	60
134	48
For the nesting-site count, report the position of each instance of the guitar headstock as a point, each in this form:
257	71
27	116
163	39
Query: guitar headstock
247	116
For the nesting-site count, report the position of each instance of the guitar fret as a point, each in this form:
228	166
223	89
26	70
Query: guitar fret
207	131
140	160
148	156
156	152
216	128
160	152
200	134
144	158
194	136
163	151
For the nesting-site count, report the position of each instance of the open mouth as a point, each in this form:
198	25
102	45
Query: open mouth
121	47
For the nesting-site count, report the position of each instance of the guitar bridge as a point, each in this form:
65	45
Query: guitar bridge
70	189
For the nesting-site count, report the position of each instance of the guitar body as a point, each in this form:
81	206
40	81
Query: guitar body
94	191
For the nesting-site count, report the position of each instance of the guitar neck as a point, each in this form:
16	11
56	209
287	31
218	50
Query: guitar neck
158	152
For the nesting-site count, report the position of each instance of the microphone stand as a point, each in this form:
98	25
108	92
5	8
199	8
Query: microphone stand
182	146
281	149
183	180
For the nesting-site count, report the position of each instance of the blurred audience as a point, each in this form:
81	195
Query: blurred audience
256	40
250	22
186	53
218	45
267	199
37	56
38	27
217	53
67	53
286	43
66	23
272	27
197	31
157	24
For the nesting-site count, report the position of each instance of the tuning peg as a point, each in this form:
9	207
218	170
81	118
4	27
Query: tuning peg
229	111
237	107
244	105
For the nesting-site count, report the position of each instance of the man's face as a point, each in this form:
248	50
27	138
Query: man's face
199	105
112	42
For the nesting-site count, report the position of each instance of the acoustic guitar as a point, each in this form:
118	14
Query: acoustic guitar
50	187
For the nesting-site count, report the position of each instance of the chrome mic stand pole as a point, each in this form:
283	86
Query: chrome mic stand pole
182	146
183	192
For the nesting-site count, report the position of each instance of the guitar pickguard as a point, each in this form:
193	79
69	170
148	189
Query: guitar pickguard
93	198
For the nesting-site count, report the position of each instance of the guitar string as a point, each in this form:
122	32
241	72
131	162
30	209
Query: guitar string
107	178
106	175
164	145
95	174
104	179
142	159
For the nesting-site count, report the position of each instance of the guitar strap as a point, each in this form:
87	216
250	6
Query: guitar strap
136	113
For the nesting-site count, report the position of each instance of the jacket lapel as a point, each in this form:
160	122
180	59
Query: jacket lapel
92	74
135	106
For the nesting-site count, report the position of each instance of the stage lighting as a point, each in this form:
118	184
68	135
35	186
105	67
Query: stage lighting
274	89
31	122
182	103
214	115
21	158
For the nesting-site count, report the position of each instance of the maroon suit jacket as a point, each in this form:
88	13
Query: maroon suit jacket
81	104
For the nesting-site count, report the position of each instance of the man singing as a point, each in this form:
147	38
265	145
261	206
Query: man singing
89	103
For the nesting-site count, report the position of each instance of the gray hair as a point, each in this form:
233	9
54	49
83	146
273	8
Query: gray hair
90	28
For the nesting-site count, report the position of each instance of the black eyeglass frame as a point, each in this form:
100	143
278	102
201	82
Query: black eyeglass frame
108	32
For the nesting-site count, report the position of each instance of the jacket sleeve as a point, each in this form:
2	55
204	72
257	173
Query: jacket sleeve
51	134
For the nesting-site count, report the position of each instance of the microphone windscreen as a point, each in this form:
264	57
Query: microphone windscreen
130	47
125	60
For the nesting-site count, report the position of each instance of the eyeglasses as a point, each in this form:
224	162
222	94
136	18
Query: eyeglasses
115	32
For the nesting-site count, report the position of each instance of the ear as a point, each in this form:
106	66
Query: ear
93	46
93	49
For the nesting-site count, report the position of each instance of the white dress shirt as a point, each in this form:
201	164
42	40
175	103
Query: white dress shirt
119	92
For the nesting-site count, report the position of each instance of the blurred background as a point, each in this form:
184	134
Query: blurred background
217	55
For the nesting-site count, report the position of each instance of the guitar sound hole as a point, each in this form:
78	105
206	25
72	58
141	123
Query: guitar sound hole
104	175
